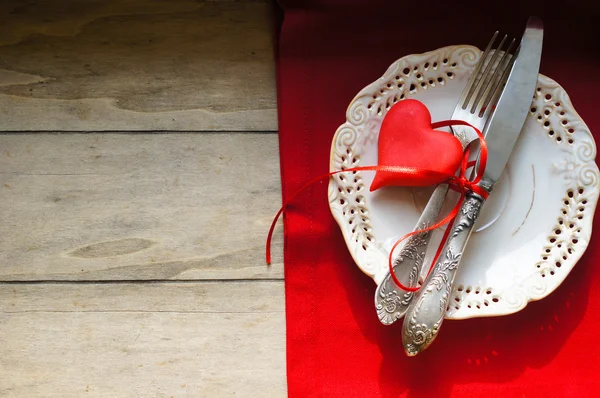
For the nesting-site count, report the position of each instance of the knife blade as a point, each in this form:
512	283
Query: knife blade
505	124
426	313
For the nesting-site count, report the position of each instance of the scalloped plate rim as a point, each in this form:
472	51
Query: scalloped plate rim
340	220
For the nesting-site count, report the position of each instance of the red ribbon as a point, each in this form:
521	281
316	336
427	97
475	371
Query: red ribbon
459	183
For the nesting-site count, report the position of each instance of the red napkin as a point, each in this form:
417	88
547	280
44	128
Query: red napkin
327	51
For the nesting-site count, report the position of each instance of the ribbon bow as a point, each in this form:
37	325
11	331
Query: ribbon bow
460	183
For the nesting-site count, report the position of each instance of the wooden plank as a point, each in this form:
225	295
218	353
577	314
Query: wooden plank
101	65
138	206
136	340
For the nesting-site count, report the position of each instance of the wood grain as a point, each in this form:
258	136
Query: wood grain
131	264
108	65
151	339
138	206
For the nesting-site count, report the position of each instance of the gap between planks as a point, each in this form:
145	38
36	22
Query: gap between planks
199	296
138	206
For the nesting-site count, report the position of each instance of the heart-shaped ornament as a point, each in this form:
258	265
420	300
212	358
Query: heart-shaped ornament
407	139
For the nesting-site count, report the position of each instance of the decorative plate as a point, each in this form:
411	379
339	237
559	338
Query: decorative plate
532	230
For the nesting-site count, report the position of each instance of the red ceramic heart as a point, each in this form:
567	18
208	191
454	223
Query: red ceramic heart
407	139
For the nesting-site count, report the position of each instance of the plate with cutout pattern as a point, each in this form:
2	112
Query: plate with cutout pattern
534	227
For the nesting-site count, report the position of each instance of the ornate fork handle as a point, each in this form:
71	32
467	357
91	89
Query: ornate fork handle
426	312
392	302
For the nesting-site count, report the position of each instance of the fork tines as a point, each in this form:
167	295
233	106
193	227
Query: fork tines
488	77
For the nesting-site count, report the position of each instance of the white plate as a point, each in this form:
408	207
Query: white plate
536	224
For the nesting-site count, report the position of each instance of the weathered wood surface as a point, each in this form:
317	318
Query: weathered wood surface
198	339
131	264
103	65
138	206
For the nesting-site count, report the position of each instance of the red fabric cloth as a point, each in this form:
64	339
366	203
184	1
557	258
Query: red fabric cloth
327	51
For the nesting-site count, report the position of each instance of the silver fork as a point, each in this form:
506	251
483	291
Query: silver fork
474	106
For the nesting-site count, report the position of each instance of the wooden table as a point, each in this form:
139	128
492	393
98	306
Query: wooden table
140	173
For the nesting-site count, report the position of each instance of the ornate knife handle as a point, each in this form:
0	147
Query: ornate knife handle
392	302
427	310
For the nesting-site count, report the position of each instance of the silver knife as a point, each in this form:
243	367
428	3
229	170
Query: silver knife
426	313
